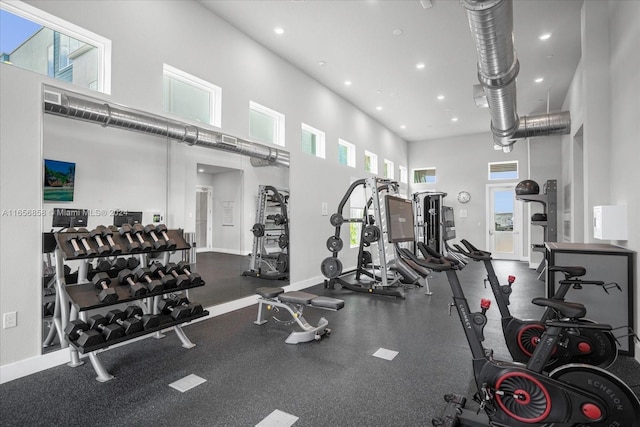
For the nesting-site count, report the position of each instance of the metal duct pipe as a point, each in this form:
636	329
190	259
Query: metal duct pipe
491	25
68	104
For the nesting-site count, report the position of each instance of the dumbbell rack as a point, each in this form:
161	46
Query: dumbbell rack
76	300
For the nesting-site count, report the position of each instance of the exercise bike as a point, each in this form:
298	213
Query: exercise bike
575	345
511	394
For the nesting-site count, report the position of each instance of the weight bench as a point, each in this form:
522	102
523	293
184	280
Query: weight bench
294	302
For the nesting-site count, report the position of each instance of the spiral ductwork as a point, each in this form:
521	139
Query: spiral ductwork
491	25
70	105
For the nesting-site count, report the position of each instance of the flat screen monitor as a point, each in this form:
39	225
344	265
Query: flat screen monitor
127	217
65	218
400	220
448	223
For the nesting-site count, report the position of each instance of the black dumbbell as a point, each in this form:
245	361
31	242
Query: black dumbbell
79	331
167	280
194	307
107	294
109	331
153	285
149	321
158	244
107	233
185	268
162	230
103	265
136	289
182	280
73	239
96	235
177	312
138	229
85	242
125	231
131	325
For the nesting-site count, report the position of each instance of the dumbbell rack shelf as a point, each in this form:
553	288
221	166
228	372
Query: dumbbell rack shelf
75	300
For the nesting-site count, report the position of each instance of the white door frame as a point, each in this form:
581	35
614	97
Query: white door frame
517	222
208	247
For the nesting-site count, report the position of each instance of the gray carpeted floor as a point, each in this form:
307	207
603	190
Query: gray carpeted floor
250	371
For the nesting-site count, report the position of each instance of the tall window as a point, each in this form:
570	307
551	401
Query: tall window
389	173
312	141
503	170
403	174
265	124
370	162
346	153
40	42
355	228
191	97
424	176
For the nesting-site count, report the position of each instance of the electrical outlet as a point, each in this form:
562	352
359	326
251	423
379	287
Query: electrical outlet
10	320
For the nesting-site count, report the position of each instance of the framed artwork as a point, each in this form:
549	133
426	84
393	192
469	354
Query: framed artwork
59	181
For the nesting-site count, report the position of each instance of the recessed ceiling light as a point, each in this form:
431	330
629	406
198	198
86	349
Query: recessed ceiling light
454	119
278	30
200	170
403	127
539	80
322	63
420	65
378	108
544	36
440	97
378	91
397	32
347	83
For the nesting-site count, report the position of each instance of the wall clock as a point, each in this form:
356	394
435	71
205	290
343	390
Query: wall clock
464	196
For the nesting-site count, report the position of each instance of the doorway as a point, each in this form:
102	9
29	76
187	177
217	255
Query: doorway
504	223
204	218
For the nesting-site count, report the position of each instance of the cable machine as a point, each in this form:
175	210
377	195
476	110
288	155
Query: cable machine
429	219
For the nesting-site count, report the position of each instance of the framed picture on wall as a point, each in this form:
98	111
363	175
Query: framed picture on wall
59	181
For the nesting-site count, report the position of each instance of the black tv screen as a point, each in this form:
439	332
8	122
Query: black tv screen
448	223
69	218
400	223
127	217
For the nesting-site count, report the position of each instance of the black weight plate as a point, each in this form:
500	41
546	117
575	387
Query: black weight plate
334	244
282	264
331	267
336	219
371	233
283	241
258	230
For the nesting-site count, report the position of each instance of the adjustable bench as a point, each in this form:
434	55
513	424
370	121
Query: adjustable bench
294	303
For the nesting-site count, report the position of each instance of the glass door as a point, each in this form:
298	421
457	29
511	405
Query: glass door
503	225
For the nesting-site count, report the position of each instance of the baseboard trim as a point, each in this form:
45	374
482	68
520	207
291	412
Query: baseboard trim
30	366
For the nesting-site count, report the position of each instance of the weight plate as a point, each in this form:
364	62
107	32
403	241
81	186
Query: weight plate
258	230
282	264
279	219
334	244
283	241
336	219
331	267
371	234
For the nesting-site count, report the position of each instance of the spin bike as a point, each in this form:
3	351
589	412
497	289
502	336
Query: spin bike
588	345
515	395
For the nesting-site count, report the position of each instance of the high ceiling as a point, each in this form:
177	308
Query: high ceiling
377	45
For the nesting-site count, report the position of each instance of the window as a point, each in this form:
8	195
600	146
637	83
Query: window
424	176
346	153
40	42
266	124
190	97
312	141
370	162
403	174
355	228
388	169
503	170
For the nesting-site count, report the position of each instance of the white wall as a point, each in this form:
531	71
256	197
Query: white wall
185	35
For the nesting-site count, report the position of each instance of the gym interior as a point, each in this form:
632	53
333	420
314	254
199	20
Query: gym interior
208	219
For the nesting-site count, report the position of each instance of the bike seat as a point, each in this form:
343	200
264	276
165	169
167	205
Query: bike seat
572	310
569	271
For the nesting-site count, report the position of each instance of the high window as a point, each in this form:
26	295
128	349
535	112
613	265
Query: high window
370	162
404	178
503	170
346	153
389	173
40	42
312	141
191	97
424	176
265	124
